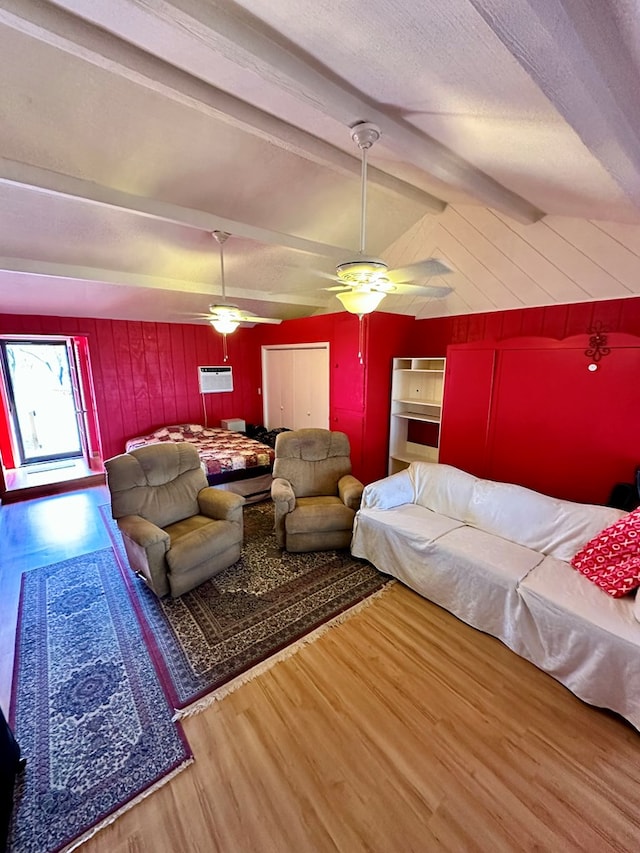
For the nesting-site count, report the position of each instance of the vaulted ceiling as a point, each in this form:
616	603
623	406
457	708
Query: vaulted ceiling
132	129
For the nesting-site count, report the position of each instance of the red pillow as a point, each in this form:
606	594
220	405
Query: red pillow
611	559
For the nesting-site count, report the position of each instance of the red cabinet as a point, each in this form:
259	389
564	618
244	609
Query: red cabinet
529	411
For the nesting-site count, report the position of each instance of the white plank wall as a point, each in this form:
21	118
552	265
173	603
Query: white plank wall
500	263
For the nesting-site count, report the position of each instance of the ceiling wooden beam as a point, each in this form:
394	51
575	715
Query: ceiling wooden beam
64	31
50	269
55	183
575	51
248	45
247	42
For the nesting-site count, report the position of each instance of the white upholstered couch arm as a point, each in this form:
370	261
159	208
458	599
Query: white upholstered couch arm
389	492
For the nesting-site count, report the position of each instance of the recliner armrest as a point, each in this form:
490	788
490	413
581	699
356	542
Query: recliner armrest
144	533
350	491
282	492
220	504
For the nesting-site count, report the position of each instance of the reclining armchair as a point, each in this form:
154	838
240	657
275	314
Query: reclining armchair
314	492
177	530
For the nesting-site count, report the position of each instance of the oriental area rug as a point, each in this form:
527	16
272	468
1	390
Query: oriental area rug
88	709
249	616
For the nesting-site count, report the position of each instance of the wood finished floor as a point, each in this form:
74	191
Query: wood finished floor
400	730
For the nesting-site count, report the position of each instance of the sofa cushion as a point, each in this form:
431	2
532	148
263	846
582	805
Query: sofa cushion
416	523
549	525
470	573
442	488
611	560
500	560
197	541
320	515
552	526
587	640
555	585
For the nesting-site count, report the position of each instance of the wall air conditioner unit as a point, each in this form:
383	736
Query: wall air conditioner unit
215	379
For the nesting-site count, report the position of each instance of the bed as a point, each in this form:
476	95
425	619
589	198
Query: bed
226	456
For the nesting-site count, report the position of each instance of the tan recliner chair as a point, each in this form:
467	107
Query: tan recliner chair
177	530
315	494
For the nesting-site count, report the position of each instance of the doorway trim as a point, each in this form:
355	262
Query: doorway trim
78	354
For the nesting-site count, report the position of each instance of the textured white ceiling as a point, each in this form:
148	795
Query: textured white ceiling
162	121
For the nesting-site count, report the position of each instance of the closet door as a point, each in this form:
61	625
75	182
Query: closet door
311	388
296	386
278	389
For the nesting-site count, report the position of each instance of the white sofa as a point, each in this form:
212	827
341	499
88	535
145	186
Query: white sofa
497	556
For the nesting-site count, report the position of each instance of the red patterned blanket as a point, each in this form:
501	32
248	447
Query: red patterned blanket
221	450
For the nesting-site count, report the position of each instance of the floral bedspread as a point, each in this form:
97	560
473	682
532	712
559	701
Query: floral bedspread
221	450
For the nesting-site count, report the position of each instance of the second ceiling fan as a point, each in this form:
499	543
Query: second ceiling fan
226	318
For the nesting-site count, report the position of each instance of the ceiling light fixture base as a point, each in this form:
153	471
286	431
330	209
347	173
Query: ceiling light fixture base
220	236
361	271
365	134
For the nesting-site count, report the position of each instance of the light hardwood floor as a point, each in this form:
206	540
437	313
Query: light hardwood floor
401	729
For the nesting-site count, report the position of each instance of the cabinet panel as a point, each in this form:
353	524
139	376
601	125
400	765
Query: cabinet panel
344	420
576	454
466	408
528	411
347	374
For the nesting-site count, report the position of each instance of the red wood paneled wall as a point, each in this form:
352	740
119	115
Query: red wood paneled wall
555	321
520	405
145	374
359	393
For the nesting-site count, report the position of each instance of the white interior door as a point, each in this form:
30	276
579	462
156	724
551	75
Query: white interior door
311	383
277	369
295	386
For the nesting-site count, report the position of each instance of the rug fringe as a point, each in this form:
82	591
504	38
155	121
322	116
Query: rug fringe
260	668
134	802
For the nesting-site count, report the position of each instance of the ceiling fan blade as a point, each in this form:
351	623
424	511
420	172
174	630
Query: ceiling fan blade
330	276
408	288
248	318
421	269
404	288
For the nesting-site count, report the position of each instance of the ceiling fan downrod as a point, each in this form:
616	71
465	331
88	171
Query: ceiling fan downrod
364	135
221	237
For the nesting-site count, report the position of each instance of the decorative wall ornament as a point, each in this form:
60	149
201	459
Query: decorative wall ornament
597	345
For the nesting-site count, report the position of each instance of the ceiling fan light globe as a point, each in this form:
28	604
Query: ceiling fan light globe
361	301
224	325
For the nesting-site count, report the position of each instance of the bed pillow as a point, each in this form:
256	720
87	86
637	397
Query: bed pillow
611	559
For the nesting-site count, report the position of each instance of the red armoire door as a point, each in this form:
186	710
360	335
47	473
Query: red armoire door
561	429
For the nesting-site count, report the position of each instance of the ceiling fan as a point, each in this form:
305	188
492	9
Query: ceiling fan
364	281
226	318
